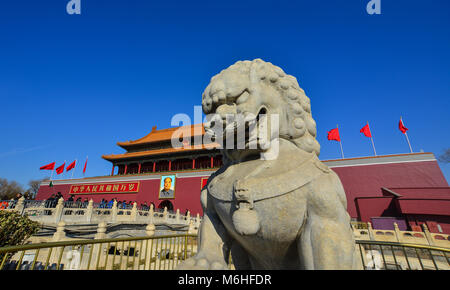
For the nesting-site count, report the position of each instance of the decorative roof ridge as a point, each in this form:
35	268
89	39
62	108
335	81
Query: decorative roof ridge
421	187
390	191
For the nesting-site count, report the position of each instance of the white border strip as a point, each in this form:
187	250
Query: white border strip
380	163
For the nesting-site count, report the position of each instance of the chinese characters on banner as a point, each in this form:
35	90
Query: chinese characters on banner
123	187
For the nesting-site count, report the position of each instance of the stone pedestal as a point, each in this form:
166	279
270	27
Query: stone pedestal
150	230
60	234
101	231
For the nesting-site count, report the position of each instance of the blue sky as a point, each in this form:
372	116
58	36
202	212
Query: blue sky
72	86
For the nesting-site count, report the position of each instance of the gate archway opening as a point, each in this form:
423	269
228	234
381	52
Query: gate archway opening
166	203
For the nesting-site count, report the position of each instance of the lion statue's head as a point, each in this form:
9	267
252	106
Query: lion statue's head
255	88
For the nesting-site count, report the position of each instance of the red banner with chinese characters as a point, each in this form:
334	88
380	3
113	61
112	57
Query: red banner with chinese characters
122	187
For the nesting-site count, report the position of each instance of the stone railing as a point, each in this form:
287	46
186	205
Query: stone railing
52	213
72	213
398	236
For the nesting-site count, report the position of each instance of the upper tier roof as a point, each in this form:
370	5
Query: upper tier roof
164	135
155	152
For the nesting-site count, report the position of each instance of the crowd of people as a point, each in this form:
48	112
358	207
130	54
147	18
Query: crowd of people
52	201
104	203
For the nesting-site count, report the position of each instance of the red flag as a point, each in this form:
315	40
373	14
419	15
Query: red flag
50	166
333	134
366	131
71	166
60	169
402	127
85	164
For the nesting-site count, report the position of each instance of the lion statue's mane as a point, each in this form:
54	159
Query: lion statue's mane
301	129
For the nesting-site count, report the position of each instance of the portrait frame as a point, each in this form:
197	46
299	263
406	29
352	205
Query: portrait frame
161	195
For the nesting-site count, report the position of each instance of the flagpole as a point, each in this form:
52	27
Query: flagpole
85	164
406	135
340	143
51	182
407	139
74	168
371	139
342	151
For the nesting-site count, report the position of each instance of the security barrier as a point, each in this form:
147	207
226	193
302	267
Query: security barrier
376	255
135	253
166	252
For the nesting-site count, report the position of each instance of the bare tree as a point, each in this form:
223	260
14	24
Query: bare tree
9	190
34	187
445	157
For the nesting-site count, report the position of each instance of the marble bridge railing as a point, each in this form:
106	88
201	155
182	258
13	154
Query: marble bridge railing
72	213
398	236
52	213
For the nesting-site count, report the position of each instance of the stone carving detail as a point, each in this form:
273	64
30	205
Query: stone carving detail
287	212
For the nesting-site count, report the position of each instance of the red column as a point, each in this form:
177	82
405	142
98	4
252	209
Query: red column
112	171
139	169
193	163
212	162
154	166
170	165
125	171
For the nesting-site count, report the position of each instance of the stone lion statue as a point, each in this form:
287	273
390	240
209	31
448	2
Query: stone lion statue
287	212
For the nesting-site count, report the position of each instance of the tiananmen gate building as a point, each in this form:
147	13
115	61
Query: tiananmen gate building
409	189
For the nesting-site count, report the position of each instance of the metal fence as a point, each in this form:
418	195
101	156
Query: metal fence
377	255
166	252
135	253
